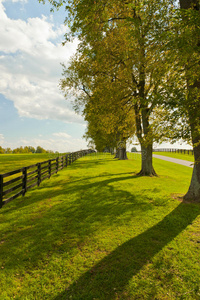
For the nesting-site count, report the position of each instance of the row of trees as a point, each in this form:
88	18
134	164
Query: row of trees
26	149
136	72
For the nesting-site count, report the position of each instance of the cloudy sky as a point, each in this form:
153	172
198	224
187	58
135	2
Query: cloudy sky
33	111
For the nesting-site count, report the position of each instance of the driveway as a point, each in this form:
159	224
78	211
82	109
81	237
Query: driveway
175	160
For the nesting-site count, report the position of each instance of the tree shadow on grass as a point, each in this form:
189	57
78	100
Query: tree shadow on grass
108	278
66	187
90	161
77	215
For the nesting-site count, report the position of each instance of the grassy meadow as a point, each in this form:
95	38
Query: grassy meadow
188	157
96	231
10	162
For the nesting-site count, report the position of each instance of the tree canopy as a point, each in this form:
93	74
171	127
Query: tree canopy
136	71
121	57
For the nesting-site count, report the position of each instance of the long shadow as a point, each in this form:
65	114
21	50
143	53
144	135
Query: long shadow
108	278
66	224
69	188
86	186
87	162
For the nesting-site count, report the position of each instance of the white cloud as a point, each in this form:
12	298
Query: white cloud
62	135
59	141
24	1
31	53
55	143
1	139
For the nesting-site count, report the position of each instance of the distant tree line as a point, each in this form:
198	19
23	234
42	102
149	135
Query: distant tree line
26	149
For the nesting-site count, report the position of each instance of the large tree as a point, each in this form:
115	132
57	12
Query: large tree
145	62
102	100
190	57
124	38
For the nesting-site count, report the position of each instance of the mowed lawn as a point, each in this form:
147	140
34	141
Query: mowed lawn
188	157
97	231
10	162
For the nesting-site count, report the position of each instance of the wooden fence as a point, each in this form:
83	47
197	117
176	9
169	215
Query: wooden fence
16	183
182	151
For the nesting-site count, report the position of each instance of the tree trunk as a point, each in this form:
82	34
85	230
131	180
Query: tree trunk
142	113
122	154
142	125
193	193
147	161
121	150
111	151
193	109
117	153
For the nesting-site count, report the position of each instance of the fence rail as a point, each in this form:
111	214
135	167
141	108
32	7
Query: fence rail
16	183
182	151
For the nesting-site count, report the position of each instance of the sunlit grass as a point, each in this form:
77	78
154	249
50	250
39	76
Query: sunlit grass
97	231
188	157
11	162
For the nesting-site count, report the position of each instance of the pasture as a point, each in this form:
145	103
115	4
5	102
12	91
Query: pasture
188	157
97	231
10	162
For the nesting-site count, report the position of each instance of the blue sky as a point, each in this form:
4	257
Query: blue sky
33	111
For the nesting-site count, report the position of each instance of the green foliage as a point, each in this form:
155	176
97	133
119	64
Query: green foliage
152	41
181	91
40	150
142	56
119	67
2	150
25	149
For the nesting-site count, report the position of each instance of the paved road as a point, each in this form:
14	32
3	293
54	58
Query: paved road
175	160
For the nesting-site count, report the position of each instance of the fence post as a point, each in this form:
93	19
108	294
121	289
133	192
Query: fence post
62	162
49	168
24	181
57	162
66	160
1	190
39	173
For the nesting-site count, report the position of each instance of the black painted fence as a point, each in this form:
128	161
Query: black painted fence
16	183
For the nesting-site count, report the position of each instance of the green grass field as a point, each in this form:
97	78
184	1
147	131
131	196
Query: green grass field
188	157
97	231
10	162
